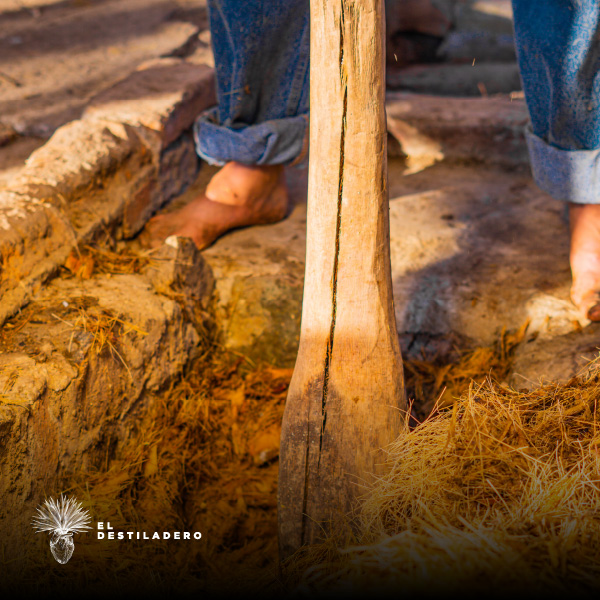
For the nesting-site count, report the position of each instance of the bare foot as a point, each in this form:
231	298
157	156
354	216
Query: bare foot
237	196
584	222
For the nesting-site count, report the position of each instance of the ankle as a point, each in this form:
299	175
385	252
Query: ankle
239	185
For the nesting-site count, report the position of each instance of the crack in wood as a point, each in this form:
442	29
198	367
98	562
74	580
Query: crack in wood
334	281
338	227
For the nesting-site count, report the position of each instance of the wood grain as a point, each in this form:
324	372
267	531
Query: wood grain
346	400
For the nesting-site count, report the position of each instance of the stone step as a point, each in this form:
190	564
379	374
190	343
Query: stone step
107	172
431	129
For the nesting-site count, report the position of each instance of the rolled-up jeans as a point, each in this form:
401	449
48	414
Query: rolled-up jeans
261	50
558	47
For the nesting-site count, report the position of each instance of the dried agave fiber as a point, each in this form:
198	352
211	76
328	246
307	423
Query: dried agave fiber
502	491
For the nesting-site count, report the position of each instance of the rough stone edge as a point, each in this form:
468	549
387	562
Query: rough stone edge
37	226
61	413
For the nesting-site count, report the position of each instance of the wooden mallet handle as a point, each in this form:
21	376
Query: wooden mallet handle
346	400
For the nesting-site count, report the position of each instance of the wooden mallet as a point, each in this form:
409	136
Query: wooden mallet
346	399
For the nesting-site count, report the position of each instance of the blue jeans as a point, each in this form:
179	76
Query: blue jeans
558	47
261	50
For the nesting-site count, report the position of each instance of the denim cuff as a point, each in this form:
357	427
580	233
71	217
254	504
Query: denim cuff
275	142
570	175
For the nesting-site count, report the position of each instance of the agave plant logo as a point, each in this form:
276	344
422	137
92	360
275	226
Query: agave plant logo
61	518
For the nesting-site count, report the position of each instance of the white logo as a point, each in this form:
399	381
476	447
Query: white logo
62	518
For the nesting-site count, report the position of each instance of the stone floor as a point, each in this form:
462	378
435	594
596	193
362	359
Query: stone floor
474	250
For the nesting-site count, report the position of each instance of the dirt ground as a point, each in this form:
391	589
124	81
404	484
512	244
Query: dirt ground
56	54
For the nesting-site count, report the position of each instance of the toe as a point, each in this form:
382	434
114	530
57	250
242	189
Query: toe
156	231
587	300
593	314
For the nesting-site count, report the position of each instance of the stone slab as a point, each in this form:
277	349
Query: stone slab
493	16
163	95
421	16
474	80
430	129
477	249
478	46
474	249
75	155
555	359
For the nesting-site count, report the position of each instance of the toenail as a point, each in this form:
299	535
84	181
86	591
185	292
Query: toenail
593	313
